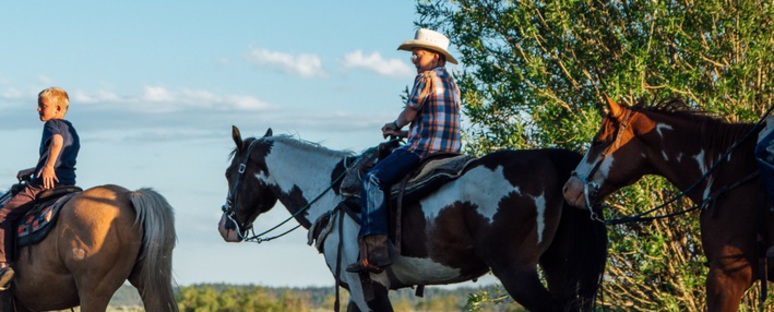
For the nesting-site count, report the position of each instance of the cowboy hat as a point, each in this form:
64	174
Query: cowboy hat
431	40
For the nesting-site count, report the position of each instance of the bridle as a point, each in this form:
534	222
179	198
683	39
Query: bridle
591	188
230	207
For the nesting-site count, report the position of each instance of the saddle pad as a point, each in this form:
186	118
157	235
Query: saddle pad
36	224
433	175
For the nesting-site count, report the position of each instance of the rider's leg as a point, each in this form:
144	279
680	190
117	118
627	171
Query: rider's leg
13	210
375	193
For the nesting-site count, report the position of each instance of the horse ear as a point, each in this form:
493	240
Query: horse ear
268	133
236	136
614	109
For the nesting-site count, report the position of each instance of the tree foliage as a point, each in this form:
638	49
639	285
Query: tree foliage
534	74
209	298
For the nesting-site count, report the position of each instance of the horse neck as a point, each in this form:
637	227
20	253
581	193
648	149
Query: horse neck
300	173
686	148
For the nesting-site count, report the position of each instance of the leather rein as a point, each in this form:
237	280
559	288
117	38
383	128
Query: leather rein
230	207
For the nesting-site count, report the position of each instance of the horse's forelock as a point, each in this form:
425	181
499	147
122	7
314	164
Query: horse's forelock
245	143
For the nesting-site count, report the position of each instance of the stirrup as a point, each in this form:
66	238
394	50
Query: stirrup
362	266
6	275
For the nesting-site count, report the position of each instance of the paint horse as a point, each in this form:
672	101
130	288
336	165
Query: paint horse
505	214
102	237
681	145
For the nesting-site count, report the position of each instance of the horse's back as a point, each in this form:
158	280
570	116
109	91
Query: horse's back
94	243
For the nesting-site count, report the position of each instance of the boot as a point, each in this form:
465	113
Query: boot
6	274
374	255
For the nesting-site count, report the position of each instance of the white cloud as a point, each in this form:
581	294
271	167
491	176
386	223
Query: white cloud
45	80
375	63
156	99
12	94
304	65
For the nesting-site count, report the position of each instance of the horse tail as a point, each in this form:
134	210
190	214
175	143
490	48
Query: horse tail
153	270
578	253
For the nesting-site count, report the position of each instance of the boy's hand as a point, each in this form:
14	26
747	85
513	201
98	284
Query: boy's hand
49	177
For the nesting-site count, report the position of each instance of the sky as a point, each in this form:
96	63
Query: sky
155	87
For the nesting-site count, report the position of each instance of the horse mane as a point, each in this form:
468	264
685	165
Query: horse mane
298	143
308	145
675	106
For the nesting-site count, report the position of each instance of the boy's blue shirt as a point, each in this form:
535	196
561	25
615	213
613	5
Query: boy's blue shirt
65	164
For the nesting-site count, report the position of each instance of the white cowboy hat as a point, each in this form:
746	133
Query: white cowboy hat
431	40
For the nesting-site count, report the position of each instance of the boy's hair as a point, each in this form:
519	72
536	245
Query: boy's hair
57	96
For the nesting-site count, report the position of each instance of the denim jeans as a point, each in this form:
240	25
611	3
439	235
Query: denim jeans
377	183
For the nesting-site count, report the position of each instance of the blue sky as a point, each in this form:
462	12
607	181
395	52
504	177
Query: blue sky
155	87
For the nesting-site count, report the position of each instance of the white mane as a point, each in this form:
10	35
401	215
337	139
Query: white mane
307	146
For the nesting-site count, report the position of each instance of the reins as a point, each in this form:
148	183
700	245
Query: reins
230	207
640	216
258	239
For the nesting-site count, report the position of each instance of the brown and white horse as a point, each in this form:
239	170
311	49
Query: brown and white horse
683	146
505	214
103	236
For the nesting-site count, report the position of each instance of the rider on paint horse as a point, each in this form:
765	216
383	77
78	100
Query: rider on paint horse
433	110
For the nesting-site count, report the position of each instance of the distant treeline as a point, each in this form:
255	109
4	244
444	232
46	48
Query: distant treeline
244	298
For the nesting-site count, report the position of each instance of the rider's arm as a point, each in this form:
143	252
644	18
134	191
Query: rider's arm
406	117
48	173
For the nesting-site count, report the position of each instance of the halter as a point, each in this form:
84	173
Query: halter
591	188
230	207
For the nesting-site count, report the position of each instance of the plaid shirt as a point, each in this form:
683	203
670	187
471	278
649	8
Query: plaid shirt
436	127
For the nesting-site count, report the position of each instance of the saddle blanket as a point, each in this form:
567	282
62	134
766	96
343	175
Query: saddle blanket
36	224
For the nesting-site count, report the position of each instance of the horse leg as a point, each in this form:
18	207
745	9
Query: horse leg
95	301
381	301
523	284
352	307
725	288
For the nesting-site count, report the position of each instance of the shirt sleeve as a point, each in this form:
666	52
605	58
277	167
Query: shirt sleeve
53	127
419	93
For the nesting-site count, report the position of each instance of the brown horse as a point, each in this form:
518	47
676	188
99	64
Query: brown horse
505	214
103	236
683	146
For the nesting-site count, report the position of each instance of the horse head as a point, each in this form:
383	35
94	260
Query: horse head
248	196
615	159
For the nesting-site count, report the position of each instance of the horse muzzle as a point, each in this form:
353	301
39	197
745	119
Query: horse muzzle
229	233
573	191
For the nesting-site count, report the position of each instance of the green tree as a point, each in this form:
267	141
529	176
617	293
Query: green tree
534	74
207	298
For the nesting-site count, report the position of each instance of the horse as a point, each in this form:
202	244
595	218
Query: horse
711	161
505	214
102	237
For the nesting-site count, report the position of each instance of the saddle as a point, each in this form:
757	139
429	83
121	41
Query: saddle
36	223
432	173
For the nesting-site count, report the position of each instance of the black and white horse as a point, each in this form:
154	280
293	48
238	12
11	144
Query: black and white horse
506	214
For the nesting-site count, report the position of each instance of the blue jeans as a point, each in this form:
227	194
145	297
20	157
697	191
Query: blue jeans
377	183
764	154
